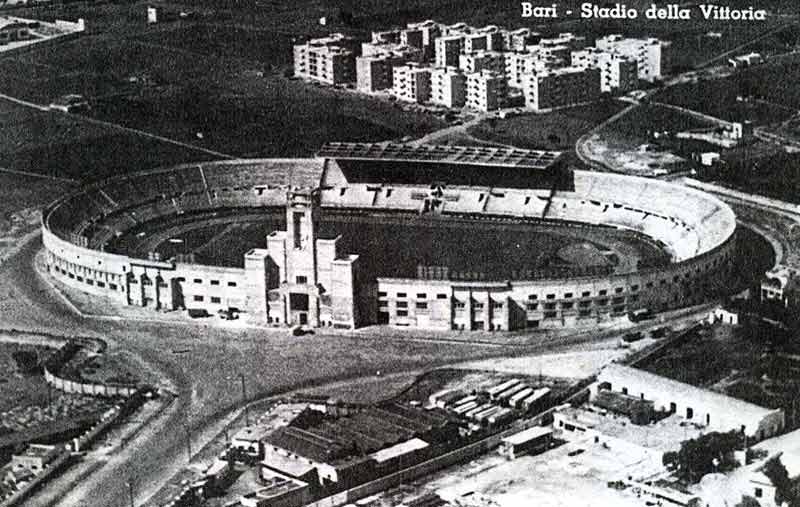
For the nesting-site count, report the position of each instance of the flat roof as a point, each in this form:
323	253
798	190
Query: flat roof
400	449
465	155
528	435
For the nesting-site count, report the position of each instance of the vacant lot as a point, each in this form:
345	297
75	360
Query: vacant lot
761	94
558	130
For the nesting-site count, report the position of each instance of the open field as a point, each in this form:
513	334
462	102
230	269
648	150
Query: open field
770	174
557	130
761	94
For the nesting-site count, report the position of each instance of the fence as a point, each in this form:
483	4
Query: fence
61	357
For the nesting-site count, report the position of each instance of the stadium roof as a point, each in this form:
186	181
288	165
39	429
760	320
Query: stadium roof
467	155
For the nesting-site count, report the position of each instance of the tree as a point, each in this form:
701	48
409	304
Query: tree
779	476
709	453
748	501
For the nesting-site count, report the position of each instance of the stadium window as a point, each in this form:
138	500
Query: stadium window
497	304
422	305
402	313
402	304
586	294
422	295
198	298
214	282
90	281
568	295
80	278
382	294
198	280
101	284
401	294
215	299
112	286
478	306
231	284
533	297
602	292
551	296
441	296
301	279
532	306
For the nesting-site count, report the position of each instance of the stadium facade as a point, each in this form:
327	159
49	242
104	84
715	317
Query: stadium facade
300	278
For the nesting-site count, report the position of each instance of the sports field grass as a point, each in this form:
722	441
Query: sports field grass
395	246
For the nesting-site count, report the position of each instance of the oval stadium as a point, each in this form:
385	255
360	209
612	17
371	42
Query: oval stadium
435	237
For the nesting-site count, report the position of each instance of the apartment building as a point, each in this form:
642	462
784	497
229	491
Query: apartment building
329	59
518	40
563	87
486	90
448	87
494	61
421	35
518	66
567	39
386	37
412	82
653	56
618	73
448	49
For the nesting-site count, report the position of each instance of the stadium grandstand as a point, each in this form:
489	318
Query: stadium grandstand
304	271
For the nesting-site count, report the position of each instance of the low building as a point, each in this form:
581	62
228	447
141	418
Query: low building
448	87
486	91
709	409
248	440
35	457
278	491
782	285
748	60
562	88
13	30
531	441
412	83
639	411
724	316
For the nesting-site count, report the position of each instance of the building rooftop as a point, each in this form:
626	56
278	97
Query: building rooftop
619	374
466	155
415	444
528	435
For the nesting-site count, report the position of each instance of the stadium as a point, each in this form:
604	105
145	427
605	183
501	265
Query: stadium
435	237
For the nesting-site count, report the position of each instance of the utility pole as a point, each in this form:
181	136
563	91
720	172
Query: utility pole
244	401
130	492
188	438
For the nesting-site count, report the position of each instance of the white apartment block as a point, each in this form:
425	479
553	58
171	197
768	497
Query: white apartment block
518	40
412	83
329	59
448	49
651	55
618	74
570	40
375	73
448	87
494	61
561	88
386	37
519	66
486	90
